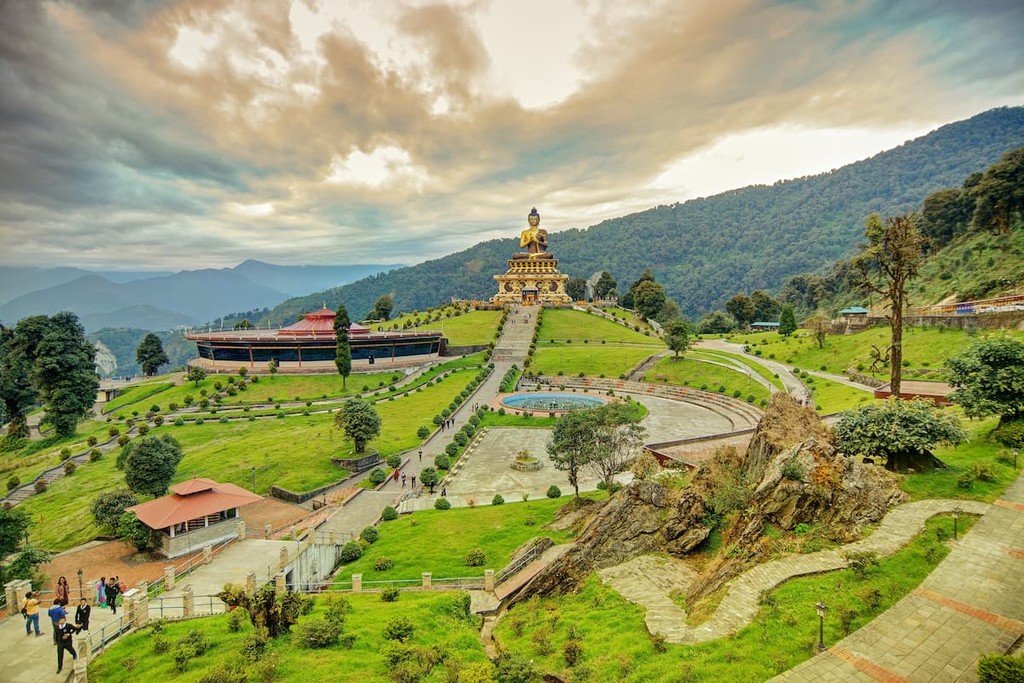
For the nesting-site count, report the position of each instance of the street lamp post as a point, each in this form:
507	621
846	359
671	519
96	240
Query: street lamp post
822	609
81	590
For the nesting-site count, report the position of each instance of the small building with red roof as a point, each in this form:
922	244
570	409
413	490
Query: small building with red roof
309	345
197	512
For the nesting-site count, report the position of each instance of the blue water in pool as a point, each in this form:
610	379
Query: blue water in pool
549	400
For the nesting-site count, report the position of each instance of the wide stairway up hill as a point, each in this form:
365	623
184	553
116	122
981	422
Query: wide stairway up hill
514	343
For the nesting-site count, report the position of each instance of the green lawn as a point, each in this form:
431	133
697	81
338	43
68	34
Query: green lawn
136	394
437	540
925	349
437	617
493	419
228	451
707	376
594	360
628	316
616	646
468	329
753	365
832	397
942	483
564	323
267	390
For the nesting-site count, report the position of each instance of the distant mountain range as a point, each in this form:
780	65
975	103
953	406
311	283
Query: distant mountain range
162	301
705	250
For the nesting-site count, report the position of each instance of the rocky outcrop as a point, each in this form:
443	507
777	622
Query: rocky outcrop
790	474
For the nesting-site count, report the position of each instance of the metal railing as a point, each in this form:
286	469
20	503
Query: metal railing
513	567
185	566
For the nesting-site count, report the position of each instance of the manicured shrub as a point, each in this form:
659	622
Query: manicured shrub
452	449
476	558
389	595
394	461
316	633
13	482
497	500
377	476
382	564
1000	669
442	462
40	486
91	440
198	421
69	468
554	492
351	552
389	514
123	439
179	421
423	432
400	629
442	504
369	534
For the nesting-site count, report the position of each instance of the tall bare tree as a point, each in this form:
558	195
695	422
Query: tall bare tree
887	262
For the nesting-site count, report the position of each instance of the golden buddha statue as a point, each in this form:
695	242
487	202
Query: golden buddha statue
534	238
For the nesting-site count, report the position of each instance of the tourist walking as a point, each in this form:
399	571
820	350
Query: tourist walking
403	480
101	592
62	592
31	611
56	613
82	614
395	474
112	590
421	455
65	631
444	491
414	481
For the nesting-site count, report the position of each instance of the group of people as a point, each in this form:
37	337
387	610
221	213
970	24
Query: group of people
450	422
63	631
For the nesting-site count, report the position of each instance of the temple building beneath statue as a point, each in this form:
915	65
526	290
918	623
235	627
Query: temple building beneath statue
308	346
532	276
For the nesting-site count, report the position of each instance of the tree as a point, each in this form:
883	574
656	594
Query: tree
360	422
787	321
429	477
741	308
269	612
576	288
716	322
677	336
619	437
999	195
272	367
150	463
343	352
383	307
195	374
108	508
819	325
902	432
243	324
573	444
887	262
988	378
766	308
648	299
150	354
13	525
64	373
946	215
131	529
17	393
604	285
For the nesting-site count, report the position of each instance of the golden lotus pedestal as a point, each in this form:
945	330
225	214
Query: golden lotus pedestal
531	281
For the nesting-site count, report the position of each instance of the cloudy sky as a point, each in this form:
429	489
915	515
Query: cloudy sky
145	134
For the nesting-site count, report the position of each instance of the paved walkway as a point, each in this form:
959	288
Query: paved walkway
792	383
740	604
972	604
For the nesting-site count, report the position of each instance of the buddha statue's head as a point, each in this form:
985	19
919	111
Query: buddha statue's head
533	218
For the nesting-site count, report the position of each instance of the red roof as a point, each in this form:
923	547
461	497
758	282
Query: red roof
319	322
191	500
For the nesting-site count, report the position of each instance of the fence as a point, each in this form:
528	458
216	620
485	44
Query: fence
185	565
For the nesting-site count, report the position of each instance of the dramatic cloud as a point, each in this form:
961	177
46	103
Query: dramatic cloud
193	133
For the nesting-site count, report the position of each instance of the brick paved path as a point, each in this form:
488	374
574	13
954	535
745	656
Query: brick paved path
740	604
972	604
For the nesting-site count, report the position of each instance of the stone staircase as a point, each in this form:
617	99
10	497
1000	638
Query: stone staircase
648	581
514	343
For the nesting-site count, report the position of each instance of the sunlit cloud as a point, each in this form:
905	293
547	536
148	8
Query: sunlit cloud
203	132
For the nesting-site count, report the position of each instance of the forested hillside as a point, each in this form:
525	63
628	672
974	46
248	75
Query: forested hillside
704	250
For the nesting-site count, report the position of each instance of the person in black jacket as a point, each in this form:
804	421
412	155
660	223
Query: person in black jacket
64	632
112	588
82	614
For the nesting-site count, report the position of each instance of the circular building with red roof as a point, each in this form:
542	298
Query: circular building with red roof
309	346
